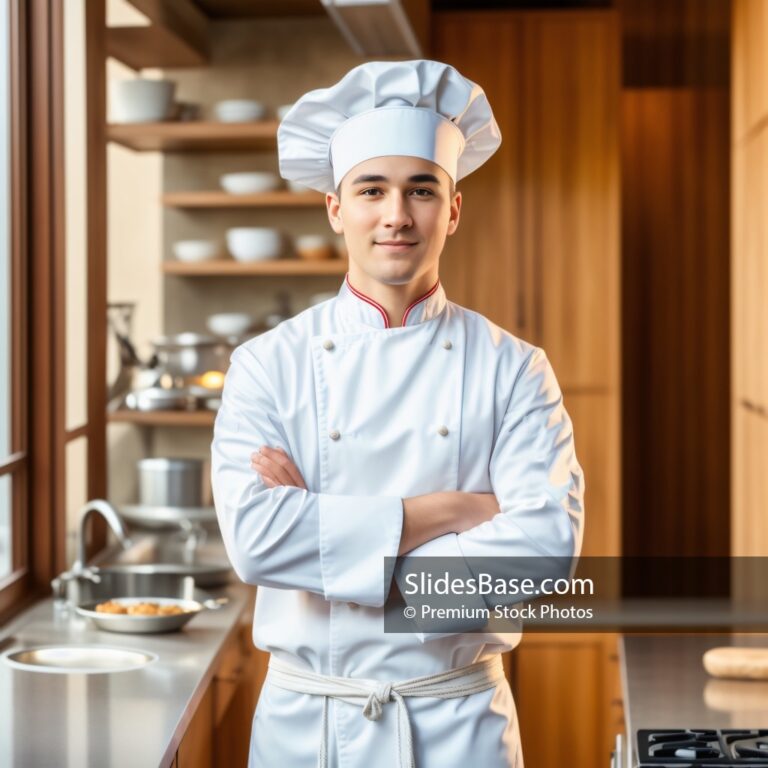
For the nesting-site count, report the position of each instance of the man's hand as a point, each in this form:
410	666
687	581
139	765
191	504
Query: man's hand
276	468
435	514
424	517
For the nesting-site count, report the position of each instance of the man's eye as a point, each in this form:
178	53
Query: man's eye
370	192
423	192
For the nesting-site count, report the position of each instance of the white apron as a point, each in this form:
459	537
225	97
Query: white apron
371	415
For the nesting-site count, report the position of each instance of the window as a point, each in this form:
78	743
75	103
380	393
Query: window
6	480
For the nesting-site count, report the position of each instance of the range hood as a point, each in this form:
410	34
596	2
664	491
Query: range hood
381	27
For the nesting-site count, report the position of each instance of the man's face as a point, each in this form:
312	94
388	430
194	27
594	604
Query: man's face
395	213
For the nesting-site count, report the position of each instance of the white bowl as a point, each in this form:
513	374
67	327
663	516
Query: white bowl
294	186
311	241
196	250
239	110
249	183
254	243
283	110
142	100
229	323
313	247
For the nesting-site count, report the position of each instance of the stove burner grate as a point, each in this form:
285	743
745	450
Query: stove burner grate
688	748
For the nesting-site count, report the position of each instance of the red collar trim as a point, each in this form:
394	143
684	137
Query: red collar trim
376	305
370	301
418	301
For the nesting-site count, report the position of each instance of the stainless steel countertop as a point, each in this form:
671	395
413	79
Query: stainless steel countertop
665	685
112	720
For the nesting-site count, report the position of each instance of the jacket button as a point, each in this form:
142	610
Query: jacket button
447	344
328	345
334	434
442	431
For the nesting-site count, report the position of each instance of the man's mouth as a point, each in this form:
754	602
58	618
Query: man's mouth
395	243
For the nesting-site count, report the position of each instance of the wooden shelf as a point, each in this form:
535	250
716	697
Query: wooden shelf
177	36
195	136
219	199
274	267
142	47
241	9
163	418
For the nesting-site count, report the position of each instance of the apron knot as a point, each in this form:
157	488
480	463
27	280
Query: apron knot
373	708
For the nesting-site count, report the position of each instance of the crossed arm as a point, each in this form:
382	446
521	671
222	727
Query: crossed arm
425	517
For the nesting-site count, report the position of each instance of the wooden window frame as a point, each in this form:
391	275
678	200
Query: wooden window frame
39	437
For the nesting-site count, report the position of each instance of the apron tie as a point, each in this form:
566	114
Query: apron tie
373	695
373	708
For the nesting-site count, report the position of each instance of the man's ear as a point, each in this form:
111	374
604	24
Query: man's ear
453	221
333	208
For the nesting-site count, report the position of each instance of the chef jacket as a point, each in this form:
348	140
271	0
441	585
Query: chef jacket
371	415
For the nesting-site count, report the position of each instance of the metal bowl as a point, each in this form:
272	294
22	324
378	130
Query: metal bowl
206	574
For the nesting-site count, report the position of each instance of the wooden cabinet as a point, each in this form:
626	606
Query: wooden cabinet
537	248
196	748
750	272
749	275
570	183
237	692
565	689
219	732
750	64
749	534
537	251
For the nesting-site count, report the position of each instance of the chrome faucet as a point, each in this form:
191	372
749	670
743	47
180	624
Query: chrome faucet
109	513
79	570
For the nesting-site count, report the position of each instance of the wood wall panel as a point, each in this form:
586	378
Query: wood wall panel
595	423
482	266
750	63
750	483
750	264
572	176
675	43
537	247
749	363
675	303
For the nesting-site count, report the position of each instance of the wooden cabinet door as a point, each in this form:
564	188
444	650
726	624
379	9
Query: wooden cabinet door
750	63
750	272
749	535
237	696
196	748
564	686
571	175
482	266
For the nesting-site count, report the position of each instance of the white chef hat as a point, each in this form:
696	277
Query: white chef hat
415	108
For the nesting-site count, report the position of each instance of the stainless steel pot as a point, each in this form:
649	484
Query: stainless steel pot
171	482
191	354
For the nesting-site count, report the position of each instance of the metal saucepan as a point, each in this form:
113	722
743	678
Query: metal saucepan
144	625
165	482
191	354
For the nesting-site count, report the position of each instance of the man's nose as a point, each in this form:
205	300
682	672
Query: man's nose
396	213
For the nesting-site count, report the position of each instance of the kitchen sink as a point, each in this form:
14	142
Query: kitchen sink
130	581
207	565
78	659
205	575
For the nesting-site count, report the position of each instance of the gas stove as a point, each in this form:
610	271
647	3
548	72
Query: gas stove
689	748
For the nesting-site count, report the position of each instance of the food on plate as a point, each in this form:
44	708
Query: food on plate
139	609
111	607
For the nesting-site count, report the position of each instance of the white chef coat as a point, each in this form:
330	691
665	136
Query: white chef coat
371	415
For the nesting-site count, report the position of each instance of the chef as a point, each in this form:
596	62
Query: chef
387	421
